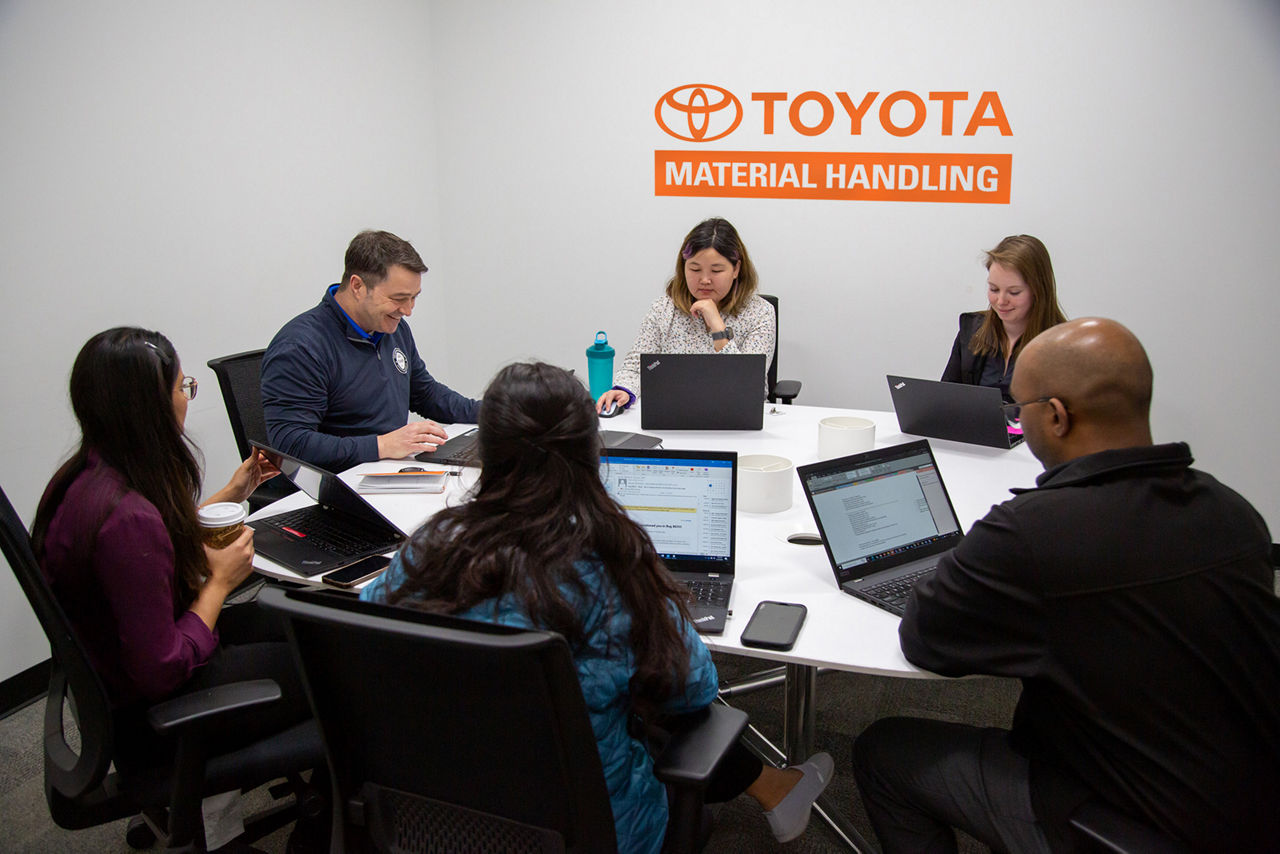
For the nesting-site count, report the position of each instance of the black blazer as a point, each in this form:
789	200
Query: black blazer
965	366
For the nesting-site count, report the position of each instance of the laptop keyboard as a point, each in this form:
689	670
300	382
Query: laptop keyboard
895	591
323	534
708	593
464	456
461	453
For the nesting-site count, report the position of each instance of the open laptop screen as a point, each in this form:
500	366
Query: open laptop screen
885	507
684	499
325	488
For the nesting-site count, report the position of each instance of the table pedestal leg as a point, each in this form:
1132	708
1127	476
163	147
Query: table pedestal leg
799	718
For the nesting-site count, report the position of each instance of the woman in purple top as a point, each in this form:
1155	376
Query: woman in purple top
118	540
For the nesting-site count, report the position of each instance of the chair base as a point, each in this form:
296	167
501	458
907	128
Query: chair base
293	799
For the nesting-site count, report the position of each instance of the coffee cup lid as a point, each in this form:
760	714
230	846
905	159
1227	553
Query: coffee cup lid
220	514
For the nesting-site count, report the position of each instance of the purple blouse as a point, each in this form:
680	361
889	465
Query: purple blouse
121	601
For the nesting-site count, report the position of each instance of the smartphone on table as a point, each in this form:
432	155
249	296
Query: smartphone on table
774	625
357	573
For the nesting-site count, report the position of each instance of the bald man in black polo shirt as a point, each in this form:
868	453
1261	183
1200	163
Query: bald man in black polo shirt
1134	598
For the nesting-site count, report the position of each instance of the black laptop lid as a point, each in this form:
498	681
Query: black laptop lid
955	411
326	488
686	500
702	391
880	509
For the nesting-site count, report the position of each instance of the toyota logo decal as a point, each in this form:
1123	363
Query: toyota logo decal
698	112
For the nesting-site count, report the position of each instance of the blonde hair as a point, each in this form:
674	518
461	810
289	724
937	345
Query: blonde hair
1029	258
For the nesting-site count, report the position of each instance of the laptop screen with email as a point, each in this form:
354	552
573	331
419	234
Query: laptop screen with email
683	499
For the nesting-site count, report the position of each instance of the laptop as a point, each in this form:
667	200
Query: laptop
339	529
686	500
885	519
702	391
956	411
464	449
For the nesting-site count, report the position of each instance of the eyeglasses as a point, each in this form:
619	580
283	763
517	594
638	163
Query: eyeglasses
1013	411
189	387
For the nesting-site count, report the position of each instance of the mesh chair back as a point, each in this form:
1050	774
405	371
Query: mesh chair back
439	729
240	378
69	773
783	390
777	319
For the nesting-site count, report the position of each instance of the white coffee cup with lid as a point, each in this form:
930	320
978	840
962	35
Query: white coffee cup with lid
221	523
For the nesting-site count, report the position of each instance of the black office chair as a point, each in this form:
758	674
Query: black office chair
1101	828
448	734
165	800
784	390
240	378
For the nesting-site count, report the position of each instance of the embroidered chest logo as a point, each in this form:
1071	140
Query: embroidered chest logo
401	363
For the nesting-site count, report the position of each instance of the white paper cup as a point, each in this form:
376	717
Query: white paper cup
841	435
764	483
221	523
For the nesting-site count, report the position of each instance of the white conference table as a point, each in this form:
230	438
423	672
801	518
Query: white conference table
840	631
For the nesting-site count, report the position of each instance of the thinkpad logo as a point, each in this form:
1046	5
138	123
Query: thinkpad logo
900	385
706	619
653	364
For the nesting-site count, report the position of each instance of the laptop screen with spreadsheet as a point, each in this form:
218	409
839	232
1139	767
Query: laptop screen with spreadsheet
881	508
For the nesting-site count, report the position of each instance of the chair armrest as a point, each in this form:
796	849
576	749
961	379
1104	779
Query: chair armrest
786	390
205	708
1112	830
697	747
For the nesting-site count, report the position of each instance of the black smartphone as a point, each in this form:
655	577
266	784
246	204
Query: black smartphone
774	625
358	572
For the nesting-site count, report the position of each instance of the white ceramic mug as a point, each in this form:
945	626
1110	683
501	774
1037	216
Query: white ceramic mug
765	483
841	435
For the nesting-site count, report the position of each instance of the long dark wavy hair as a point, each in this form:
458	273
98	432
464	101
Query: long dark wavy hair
122	394
540	506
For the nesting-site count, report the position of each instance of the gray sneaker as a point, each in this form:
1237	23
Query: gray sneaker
791	816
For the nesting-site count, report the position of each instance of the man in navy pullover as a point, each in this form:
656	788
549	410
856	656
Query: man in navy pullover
338	381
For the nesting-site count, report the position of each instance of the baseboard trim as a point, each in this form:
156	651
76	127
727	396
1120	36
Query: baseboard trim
31	684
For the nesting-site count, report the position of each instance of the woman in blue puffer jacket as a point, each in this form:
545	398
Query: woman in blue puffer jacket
541	544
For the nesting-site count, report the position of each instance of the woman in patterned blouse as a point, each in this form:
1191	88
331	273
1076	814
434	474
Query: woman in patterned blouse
710	306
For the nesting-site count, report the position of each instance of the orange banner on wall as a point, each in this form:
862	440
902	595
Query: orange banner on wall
869	176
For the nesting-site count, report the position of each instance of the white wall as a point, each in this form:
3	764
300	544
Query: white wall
199	169
194	168
1144	154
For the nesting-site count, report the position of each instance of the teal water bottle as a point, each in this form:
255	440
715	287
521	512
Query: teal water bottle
600	366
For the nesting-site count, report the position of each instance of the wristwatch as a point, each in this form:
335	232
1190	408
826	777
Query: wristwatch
726	335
